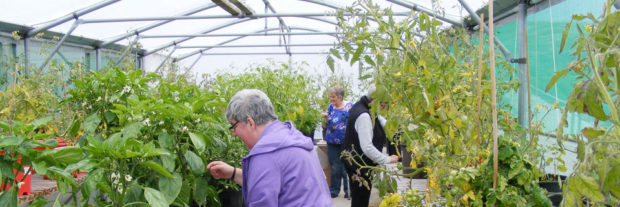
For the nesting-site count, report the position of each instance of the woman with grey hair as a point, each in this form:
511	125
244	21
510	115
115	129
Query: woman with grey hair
282	168
336	115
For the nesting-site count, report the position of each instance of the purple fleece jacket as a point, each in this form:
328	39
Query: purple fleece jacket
282	169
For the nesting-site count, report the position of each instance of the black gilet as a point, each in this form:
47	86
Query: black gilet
351	139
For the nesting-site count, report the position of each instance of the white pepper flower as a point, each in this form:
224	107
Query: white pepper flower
147	122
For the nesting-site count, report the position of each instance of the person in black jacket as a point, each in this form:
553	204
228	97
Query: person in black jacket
364	142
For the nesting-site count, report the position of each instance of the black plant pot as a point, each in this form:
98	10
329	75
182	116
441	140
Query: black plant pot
231	198
553	187
406	156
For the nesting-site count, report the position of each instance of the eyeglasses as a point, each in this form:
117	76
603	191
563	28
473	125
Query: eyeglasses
232	127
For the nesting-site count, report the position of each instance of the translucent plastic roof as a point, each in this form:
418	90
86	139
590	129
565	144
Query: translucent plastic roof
300	16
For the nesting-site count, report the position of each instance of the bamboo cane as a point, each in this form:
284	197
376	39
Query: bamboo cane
493	94
479	98
527	73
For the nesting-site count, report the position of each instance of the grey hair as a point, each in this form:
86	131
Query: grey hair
250	103
371	89
337	90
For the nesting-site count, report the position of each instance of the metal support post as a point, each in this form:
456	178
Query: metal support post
165	59
73	15
59	44
195	61
476	18
417	7
522	101
282	25
97	58
129	47
26	56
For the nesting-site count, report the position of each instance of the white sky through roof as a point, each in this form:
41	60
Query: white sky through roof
38	12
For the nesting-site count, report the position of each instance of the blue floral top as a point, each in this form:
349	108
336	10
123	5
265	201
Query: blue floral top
336	123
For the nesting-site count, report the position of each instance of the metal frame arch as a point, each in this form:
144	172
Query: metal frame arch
243	36
231	23
174	42
157	24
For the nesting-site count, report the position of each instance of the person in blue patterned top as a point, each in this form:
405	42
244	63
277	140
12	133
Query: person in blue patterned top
336	117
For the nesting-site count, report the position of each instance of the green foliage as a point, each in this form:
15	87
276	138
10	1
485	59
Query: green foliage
594	181
429	77
17	145
148	132
473	186
294	94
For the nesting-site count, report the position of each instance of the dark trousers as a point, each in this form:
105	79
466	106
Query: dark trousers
360	194
337	172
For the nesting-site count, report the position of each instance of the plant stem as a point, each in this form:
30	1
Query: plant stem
602	88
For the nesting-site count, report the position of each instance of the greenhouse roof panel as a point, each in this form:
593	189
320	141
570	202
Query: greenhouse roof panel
113	21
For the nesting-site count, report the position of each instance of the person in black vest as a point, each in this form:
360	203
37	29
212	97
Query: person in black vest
364	142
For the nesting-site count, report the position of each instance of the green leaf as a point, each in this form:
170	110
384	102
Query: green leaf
369	60
395	40
5	126
165	140
592	133
155	198
168	162
11	141
555	78
195	163
109	116
200	192
132	130
588	187
9	198
90	182
40	167
91	123
171	187
184	195
157	167
150	150
41	122
62	175
565	35
612	183
581	149
199	142
39	202
357	54
63	155
335	53
330	63
593	103
134	193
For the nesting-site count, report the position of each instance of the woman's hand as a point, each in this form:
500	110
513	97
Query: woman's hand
220	169
393	158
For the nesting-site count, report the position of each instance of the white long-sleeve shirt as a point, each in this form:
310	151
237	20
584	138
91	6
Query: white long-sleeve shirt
363	126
